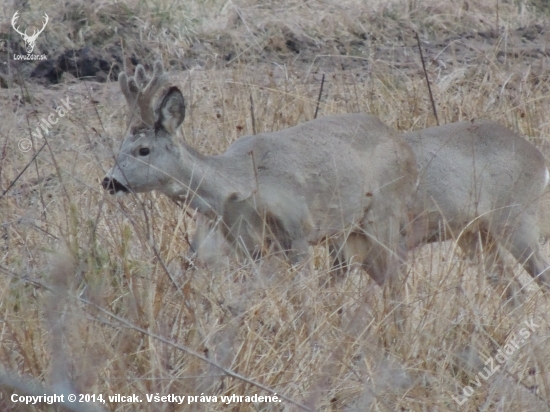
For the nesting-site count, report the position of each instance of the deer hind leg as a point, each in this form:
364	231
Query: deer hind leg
480	245
521	239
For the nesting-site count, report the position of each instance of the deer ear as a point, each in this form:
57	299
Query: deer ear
171	110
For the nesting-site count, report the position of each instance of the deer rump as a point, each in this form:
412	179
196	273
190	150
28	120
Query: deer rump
480	184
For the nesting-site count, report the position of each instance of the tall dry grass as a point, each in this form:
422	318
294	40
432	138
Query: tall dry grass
96	296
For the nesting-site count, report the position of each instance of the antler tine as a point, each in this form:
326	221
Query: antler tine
128	87
123	81
140	76
139	90
14	22
147	93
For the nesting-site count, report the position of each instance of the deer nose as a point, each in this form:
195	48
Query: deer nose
113	186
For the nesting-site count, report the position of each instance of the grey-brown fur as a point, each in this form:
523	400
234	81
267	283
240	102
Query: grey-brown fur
485	181
480	184
334	175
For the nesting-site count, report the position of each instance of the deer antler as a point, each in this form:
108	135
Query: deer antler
14	20
29	40
139	90
35	34
25	35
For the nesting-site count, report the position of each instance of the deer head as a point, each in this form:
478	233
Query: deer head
29	40
148	157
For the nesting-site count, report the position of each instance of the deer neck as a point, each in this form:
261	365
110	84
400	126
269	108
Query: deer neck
205	182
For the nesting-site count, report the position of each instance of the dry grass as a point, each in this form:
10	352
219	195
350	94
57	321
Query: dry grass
95	296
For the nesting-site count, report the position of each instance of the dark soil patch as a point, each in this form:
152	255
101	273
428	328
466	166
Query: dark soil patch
84	63
101	60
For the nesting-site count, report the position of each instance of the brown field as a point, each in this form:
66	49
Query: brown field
96	296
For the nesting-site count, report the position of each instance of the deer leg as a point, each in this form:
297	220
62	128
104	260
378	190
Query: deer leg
347	250
358	248
243	227
376	258
299	251
481	245
382	259
207	247
383	266
339	264
522	240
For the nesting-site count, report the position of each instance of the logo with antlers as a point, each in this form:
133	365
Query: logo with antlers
29	40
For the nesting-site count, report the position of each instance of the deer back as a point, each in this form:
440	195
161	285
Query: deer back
327	173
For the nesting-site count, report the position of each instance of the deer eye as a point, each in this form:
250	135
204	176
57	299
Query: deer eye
143	151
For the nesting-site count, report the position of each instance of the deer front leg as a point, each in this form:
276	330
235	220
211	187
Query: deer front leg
208	247
290	224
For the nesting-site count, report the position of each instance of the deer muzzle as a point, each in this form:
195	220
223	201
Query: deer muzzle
114	186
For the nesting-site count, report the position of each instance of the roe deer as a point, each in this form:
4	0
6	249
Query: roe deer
480	184
289	189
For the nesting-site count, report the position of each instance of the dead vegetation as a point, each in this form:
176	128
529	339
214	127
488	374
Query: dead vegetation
95	296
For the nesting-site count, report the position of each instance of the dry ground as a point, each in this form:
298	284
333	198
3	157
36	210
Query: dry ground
95	295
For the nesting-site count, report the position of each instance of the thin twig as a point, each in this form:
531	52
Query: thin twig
22	171
498	22
128	325
251	153
319	97
122	322
25	92
427	79
252	114
3	158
